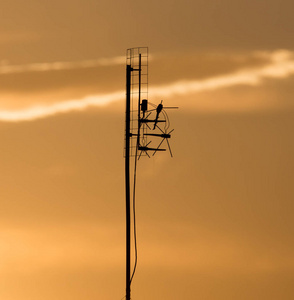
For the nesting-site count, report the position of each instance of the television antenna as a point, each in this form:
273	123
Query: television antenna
147	128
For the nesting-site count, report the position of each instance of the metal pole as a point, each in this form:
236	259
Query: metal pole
127	182
139	100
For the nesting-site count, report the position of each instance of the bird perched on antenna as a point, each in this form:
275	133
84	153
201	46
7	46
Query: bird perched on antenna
158	110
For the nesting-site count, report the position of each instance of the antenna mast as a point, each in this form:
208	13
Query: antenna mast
137	133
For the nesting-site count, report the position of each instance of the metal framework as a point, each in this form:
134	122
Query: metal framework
146	119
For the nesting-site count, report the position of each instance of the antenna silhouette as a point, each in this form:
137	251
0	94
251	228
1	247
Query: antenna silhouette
146	129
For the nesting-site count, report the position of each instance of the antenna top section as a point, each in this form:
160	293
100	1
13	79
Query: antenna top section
147	123
133	56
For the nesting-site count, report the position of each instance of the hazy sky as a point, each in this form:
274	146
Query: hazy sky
216	221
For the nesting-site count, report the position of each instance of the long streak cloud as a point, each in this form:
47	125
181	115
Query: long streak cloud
280	66
57	66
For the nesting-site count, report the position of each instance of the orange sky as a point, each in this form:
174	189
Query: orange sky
215	222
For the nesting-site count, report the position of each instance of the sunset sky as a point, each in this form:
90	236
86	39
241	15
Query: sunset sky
215	222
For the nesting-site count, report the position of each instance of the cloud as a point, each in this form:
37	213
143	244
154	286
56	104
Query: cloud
57	66
281	65
37	112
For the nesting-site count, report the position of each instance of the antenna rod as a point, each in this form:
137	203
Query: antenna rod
139	103
127	182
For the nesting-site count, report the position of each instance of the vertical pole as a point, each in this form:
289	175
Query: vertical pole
127	182
139	96
139	102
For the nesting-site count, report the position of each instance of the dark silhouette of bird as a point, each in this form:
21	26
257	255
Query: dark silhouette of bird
158	110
